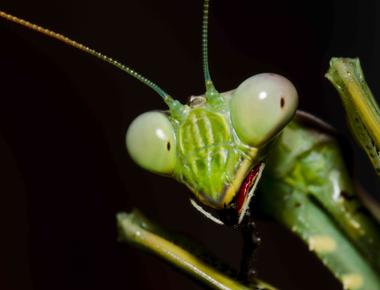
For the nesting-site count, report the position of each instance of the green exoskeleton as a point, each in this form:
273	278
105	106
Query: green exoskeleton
208	146
228	147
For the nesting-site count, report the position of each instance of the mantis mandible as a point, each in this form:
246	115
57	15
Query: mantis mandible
222	194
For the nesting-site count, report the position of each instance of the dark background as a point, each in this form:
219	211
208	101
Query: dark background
63	115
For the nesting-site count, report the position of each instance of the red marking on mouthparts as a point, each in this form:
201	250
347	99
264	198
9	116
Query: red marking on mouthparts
246	186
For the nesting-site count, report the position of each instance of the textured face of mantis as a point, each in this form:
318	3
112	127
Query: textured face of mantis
216	145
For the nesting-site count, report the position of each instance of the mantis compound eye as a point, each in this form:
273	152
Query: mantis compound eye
151	142
261	106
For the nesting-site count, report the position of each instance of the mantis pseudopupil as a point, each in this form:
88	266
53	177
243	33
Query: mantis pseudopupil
189	80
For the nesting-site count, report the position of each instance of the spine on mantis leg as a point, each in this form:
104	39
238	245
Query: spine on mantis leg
307	188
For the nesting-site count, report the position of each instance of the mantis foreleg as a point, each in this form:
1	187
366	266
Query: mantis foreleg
138	230
308	189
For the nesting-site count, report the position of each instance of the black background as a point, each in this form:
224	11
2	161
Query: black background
63	115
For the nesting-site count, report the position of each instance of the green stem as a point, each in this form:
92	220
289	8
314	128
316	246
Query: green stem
139	231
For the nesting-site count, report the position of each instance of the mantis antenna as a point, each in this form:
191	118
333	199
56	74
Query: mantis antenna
210	89
166	97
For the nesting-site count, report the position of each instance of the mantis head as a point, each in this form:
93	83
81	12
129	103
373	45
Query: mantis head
217	143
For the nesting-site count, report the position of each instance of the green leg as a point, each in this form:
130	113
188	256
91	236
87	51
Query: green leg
300	214
136	229
308	160
362	111
307	188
